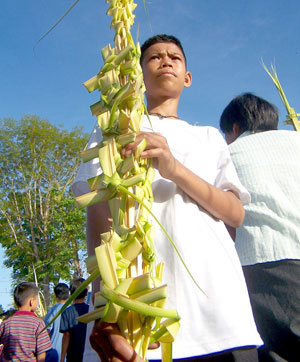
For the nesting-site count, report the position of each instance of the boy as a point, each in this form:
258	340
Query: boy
22	334
268	242
61	292
74	332
196	191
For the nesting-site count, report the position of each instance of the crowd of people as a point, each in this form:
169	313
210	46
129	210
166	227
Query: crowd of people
231	207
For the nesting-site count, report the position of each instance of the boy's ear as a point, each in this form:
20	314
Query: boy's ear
187	79
32	301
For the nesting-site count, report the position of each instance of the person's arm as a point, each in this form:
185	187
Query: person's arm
98	221
224	205
64	345
41	357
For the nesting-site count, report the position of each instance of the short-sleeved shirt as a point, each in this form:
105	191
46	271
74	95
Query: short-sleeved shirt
268	165
23	338
221	319
77	330
53	329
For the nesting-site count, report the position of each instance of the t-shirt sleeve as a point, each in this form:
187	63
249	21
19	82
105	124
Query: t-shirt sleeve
227	178
64	322
48	318
43	340
68	320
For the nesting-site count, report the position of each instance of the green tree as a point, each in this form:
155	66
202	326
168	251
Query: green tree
40	227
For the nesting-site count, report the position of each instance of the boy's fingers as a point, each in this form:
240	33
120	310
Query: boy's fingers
153	140
100	343
110	345
154	345
119	343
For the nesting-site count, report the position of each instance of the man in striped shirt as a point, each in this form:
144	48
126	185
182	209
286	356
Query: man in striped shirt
22	334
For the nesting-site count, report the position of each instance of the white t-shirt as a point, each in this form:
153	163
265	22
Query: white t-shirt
223	319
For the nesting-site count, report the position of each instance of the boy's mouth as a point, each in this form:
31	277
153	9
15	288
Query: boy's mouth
167	73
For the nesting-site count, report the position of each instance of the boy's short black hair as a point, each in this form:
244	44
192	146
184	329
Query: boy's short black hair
251	113
161	38
23	292
75	283
61	291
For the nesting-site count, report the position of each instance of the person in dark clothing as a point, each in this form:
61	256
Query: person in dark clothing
74	332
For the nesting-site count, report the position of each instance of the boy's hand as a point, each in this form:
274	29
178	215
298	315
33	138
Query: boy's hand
158	149
110	345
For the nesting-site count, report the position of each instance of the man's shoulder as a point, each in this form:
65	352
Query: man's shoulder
81	307
56	307
69	310
52	311
21	319
267	138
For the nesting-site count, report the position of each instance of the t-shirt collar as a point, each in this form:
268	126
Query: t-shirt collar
24	312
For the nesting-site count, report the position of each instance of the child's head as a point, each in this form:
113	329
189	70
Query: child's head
75	284
26	296
61	291
164	69
248	112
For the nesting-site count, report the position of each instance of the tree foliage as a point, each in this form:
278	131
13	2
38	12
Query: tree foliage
40	227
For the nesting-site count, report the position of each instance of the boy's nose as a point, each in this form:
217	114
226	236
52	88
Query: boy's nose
166	63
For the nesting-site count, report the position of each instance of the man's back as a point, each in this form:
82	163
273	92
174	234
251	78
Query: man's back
55	335
268	166
76	329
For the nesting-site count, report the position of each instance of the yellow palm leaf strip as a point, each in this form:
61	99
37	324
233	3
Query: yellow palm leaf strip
137	306
292	117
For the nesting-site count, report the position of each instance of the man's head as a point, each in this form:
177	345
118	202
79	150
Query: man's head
26	295
164	68
75	284
61	291
248	112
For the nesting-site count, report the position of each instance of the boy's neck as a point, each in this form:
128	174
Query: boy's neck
25	308
79	301
166	108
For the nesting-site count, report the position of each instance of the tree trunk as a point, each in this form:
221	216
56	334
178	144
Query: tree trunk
46	291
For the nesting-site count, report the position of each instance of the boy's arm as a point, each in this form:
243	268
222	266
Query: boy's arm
41	357
224	205
64	345
98	221
47	319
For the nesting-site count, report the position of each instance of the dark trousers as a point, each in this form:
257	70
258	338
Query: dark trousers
274	290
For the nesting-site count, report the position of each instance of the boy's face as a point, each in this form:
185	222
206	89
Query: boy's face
34	302
164	71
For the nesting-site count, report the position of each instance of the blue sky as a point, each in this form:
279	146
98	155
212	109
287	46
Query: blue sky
224	42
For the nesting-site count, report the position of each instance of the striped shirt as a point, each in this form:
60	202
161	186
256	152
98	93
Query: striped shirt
22	338
268	166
